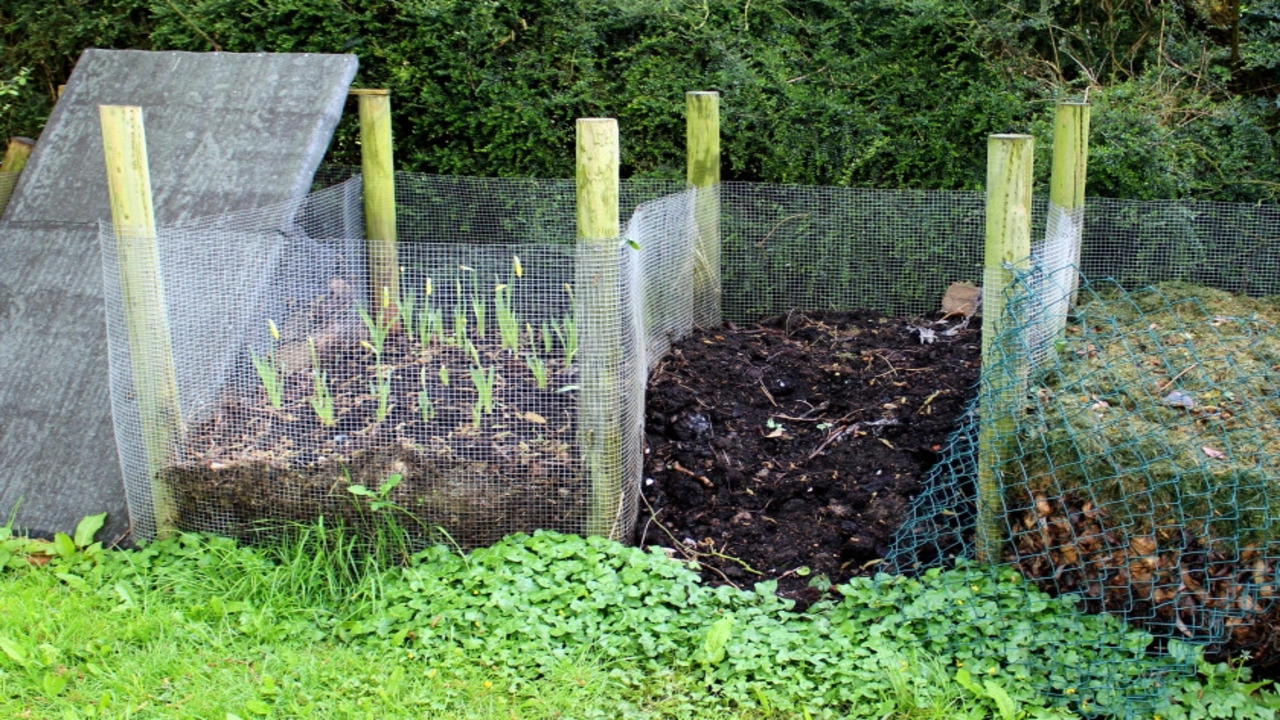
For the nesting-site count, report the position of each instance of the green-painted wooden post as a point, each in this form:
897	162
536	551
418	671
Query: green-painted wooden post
142	295
1070	168
1008	246
702	120
596	286
378	170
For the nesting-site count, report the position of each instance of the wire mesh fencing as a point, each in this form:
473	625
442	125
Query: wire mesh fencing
500	386
8	181
497	389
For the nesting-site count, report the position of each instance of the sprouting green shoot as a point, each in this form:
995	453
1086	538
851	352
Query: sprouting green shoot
568	337
459	327
425	406
380	327
538	368
431	322
508	325
321	401
408	312
471	349
546	338
430	325
381	389
378	500
269	368
483	379
478	308
477	303
444	375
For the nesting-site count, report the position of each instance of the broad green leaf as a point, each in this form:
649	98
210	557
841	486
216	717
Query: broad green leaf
1004	703
88	528
53	684
75	581
126	597
257	707
390	484
965	680
717	638
16	652
64	546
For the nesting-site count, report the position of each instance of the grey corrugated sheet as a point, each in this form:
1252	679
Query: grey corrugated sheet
225	132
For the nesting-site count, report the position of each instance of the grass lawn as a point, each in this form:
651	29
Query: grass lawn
547	626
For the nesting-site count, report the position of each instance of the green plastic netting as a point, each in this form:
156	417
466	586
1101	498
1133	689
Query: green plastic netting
1138	470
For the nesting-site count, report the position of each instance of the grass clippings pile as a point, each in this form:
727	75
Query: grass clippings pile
1152	465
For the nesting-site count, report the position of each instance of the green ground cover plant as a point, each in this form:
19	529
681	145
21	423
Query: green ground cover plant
535	626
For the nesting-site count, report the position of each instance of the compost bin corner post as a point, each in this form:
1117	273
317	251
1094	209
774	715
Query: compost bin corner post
1007	249
1070	169
377	168
597	297
142	297
702	119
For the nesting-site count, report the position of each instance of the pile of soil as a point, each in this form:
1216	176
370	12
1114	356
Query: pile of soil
481	471
792	450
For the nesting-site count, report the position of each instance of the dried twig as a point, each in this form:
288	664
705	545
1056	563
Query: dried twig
841	433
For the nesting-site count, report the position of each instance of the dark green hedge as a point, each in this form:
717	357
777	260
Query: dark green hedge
890	93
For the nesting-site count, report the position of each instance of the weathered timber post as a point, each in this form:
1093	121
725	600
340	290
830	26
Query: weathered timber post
702	120
142	296
1067	182
1007	248
15	158
378	169
597	289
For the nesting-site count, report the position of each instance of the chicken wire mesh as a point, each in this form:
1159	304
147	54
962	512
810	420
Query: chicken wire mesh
8	181
498	390
1135	446
1137	469
1139	500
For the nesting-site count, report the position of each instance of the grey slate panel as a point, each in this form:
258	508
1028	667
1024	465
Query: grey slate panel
225	132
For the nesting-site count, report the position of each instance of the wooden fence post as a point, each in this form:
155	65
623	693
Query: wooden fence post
702	120
596	286
15	158
1070	169
1007	249
142	295
378	168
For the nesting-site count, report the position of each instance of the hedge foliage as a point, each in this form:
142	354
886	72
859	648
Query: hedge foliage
887	93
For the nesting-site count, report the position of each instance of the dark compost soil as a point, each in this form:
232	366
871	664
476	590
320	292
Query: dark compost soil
791	450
